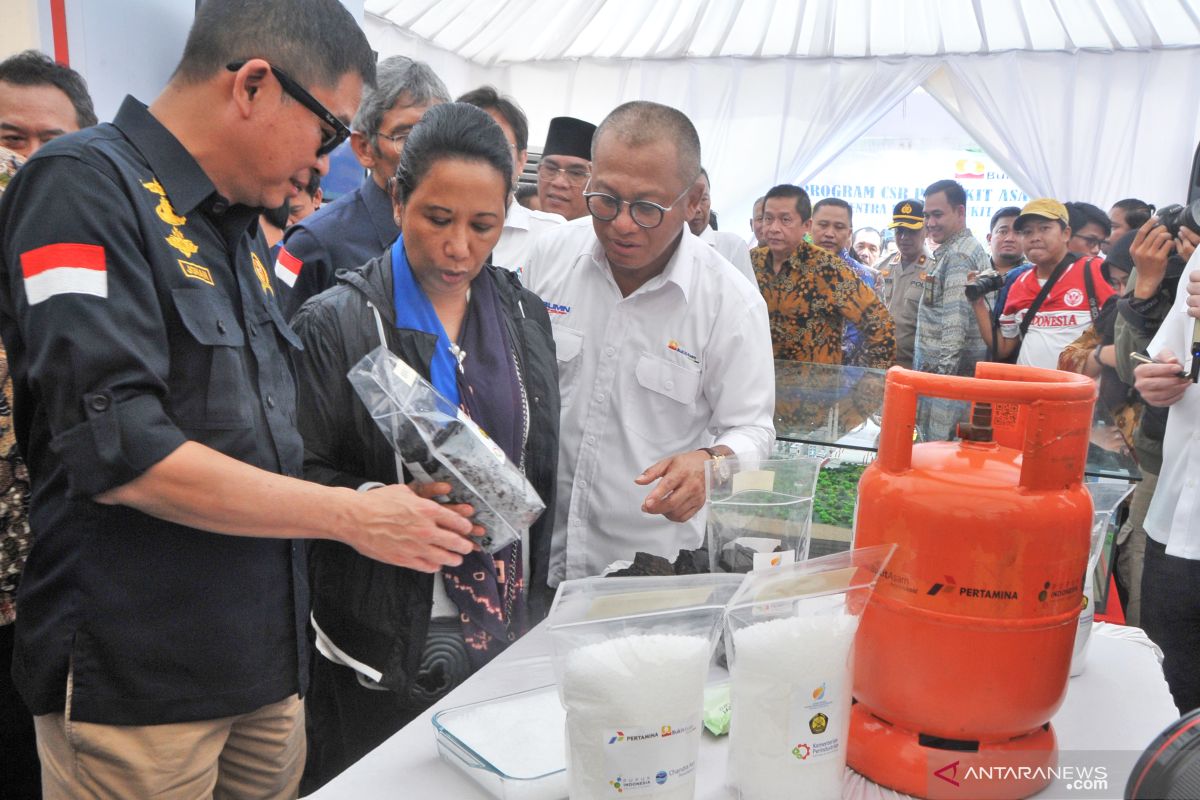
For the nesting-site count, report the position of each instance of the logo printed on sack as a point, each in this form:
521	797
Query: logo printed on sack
802	751
1073	298
620	737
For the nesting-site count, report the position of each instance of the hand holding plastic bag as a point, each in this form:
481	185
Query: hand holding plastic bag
436	441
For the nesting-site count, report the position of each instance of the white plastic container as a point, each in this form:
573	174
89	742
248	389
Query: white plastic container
789	633
631	656
512	746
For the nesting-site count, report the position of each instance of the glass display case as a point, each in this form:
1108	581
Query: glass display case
833	413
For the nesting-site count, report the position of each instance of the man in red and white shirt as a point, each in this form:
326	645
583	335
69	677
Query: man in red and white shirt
1067	309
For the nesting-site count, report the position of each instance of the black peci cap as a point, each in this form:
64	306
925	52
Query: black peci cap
568	136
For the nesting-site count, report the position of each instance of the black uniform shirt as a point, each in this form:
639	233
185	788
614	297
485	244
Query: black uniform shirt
345	234
138	313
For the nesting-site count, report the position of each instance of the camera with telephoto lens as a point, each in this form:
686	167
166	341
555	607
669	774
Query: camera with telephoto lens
985	283
1175	216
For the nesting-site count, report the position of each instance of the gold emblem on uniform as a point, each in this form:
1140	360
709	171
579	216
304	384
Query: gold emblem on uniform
167	214
197	272
261	273
906	209
182	243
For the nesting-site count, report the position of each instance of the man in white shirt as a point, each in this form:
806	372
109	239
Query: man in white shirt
1170	603
730	245
664	351
521	224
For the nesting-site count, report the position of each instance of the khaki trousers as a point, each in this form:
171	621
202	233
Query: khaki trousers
254	755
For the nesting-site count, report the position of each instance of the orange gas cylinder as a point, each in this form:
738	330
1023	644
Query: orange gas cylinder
963	655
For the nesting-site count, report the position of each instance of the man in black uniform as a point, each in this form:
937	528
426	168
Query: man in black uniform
359	226
160	641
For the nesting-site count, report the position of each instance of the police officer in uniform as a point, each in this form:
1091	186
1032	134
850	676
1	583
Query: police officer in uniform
902	275
161	641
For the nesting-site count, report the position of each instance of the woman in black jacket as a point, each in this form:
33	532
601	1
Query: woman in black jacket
391	641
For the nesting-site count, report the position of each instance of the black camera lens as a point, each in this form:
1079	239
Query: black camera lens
1175	216
985	283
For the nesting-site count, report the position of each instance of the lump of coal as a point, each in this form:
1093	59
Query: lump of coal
437	442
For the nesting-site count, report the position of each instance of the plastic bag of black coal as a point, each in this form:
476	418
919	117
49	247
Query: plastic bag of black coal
437	442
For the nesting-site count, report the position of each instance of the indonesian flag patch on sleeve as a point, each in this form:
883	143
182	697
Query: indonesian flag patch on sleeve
287	267
65	268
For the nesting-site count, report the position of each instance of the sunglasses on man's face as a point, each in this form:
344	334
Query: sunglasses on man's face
330	137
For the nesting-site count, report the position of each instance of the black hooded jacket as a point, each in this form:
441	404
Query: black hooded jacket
376	613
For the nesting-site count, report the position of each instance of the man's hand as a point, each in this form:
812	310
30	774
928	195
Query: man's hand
1150	250
680	491
432	491
394	525
1193	294
1158	383
1186	243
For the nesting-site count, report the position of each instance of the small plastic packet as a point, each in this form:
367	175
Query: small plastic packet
438	443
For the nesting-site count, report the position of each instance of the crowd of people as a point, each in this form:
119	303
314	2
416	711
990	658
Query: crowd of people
230	583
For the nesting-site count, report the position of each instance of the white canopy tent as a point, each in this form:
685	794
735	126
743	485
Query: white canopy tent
1076	99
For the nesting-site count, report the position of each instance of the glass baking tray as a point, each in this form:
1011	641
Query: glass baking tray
473	753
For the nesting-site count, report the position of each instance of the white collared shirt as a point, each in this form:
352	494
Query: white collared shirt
733	248
521	226
1174	515
683	362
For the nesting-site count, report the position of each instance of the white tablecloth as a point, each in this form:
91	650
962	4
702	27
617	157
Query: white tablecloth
1120	703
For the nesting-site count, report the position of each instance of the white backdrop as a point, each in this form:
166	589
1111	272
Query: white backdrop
1092	126
1088	126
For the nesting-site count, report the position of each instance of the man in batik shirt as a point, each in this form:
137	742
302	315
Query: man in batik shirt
948	341
812	293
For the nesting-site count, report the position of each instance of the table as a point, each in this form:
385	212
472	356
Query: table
1112	711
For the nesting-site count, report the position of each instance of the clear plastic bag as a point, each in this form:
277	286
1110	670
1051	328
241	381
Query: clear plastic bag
437	442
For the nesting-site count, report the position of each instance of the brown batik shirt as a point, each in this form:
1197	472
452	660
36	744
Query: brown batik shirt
809	301
14	504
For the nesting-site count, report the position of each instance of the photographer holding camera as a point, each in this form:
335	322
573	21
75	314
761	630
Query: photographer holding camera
1160	252
1050	305
1008	262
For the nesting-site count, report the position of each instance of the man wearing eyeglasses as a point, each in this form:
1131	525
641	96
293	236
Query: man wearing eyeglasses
161	637
664	353
565	167
360	225
1090	228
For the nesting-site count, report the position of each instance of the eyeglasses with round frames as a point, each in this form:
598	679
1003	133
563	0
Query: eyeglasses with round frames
330	139
606	207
